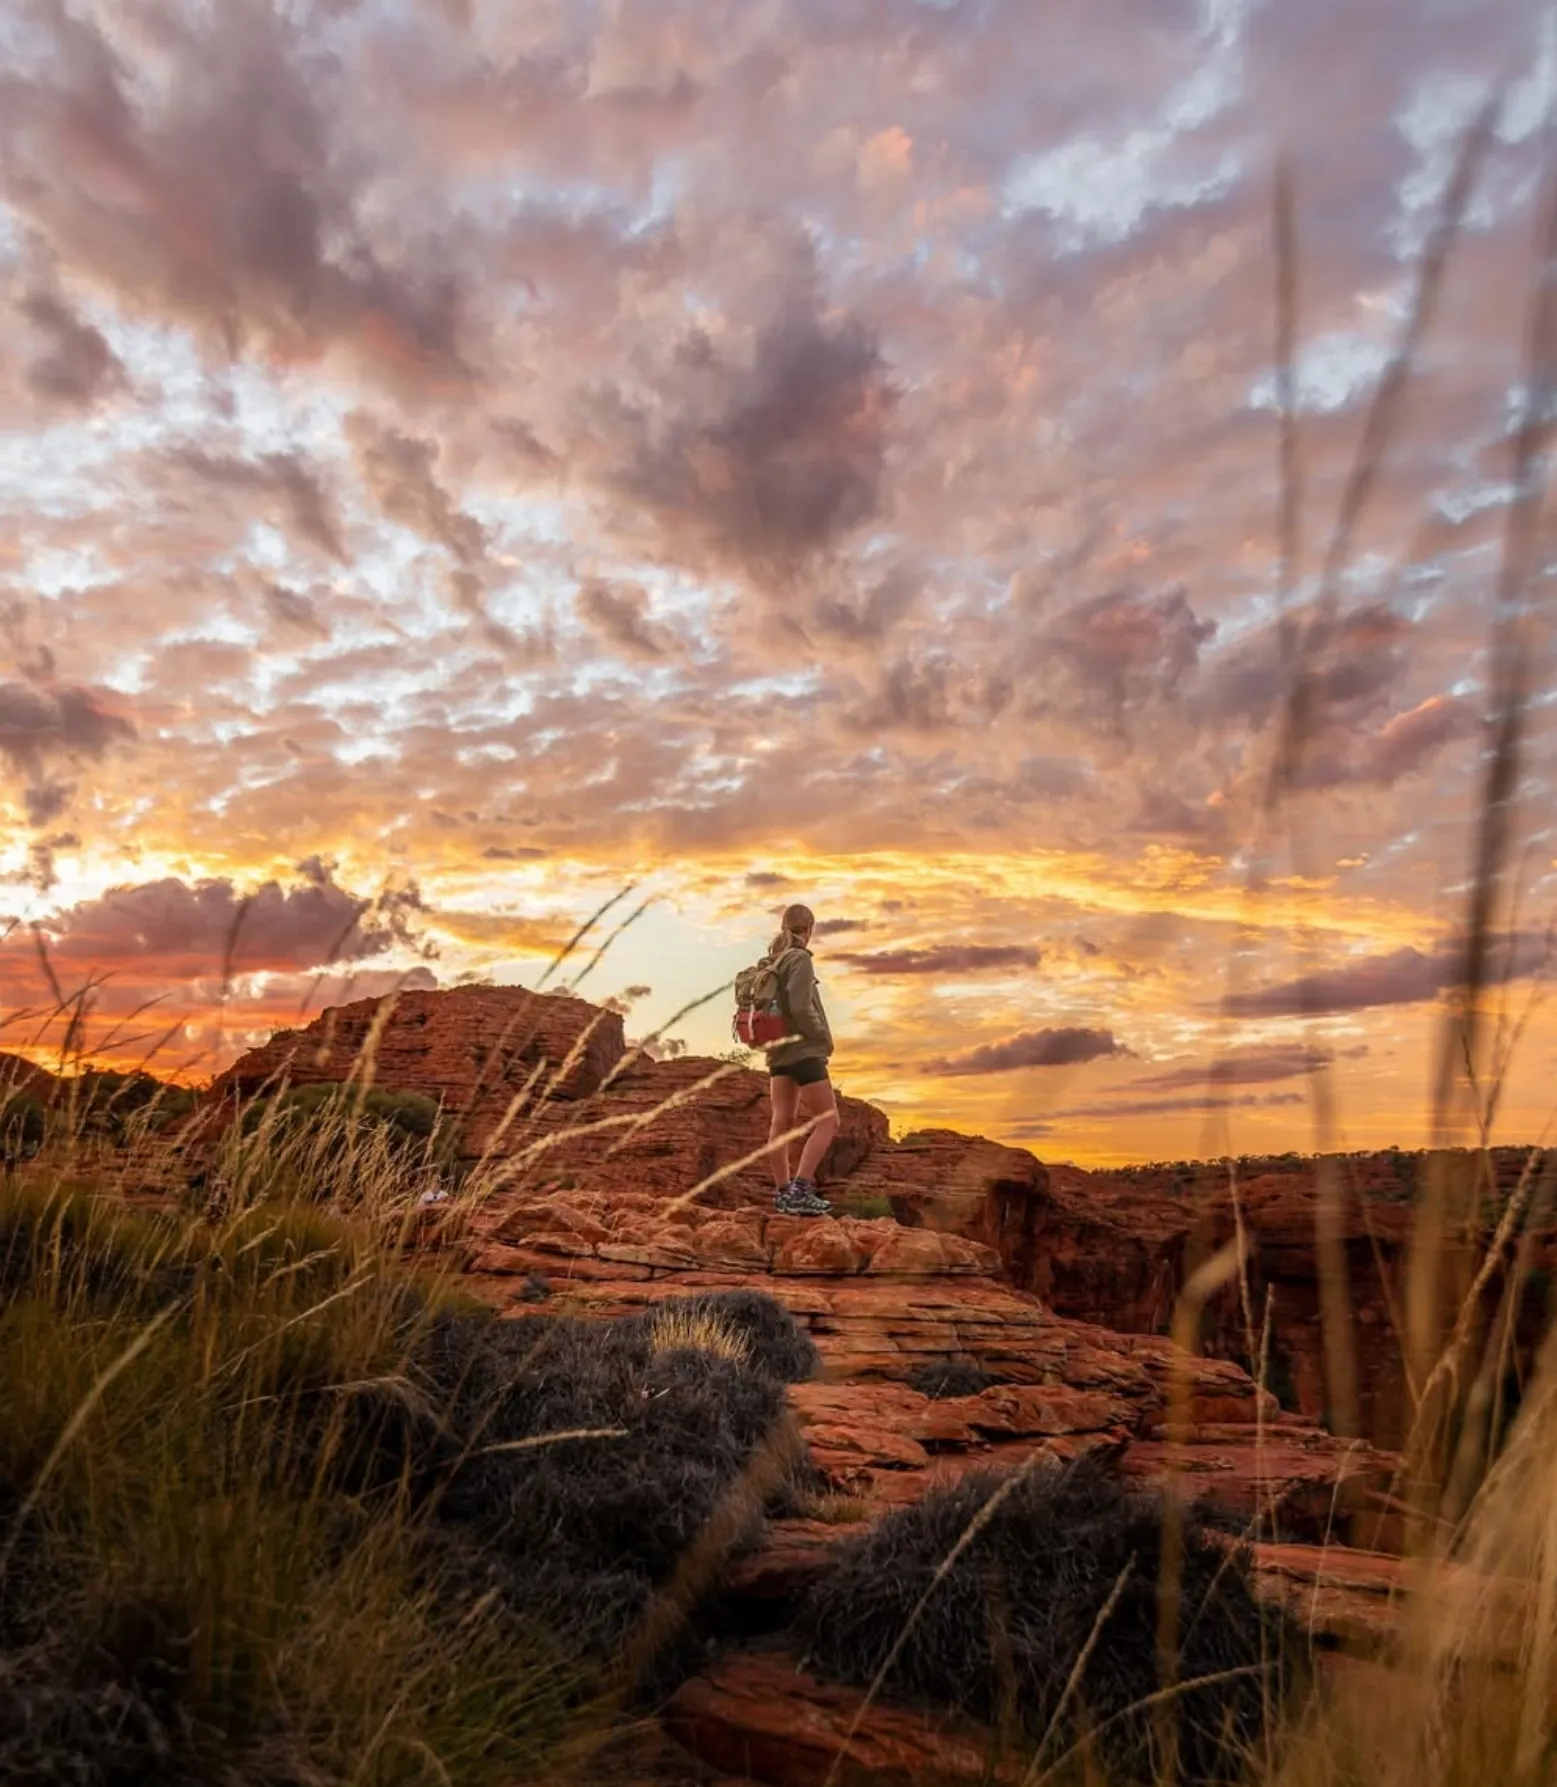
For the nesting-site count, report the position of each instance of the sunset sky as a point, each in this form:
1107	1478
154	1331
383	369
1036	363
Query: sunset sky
470	456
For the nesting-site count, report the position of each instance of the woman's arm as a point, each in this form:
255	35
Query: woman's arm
801	1005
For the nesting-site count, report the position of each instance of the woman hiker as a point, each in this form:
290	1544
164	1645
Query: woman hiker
798	1084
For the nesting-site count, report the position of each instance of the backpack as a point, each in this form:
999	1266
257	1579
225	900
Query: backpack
759	1019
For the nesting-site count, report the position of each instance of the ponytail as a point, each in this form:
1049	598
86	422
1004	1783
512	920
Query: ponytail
796	922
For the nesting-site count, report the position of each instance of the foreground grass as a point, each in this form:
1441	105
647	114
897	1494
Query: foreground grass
197	1578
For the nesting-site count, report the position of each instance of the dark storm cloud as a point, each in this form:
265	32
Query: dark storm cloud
1404	745
218	195
43	725
295	488
945	958
762	460
1164	814
76	366
1125	647
400	472
1068	1047
872	617
1248	1067
618	615
187	931
1168	1107
293	608
1353	663
929	694
1401	977
40	721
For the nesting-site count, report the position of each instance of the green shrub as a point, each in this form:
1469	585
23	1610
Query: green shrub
339	1145
943	1379
407	1118
866	1209
119	1106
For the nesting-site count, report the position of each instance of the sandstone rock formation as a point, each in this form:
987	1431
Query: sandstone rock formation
1373	1201
602	1182
20	1077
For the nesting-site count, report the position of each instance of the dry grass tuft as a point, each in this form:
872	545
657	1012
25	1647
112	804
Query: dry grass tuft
686	1327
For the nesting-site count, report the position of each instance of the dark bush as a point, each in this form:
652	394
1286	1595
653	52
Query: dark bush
1000	1635
59	1732
22	1128
84	1244
779	1345
345	1453
105	1102
945	1378
583	1530
410	1122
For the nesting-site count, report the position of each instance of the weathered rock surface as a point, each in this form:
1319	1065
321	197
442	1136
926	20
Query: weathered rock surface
759	1714
610	1182
881	1302
1372	1201
472	1048
20	1077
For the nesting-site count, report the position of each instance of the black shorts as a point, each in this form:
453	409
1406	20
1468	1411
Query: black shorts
803	1073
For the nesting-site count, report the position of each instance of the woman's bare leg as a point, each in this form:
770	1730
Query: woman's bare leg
785	1096
817	1102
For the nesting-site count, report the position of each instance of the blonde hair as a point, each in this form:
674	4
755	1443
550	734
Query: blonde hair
797	921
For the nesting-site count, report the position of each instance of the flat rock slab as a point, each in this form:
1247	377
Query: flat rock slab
759	1714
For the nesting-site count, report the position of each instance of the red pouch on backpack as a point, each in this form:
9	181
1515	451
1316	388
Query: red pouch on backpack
757	1027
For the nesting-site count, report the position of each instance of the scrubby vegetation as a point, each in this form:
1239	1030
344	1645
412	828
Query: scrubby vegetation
954	1377
194	1588
23	1127
271	1511
864	1209
682	1429
97	1105
1504	1166
1047	1622
345	1147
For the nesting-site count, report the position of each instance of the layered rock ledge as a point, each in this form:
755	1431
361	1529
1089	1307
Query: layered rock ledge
606	1181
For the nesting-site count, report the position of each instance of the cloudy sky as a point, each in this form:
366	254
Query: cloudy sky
461	461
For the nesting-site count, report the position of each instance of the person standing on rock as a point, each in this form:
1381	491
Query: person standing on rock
798	1083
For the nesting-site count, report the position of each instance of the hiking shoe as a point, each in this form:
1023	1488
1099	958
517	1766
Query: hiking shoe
801	1198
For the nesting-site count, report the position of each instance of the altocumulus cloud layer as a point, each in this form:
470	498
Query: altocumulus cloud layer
800	451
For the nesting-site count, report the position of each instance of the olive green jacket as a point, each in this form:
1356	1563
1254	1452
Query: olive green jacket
800	1000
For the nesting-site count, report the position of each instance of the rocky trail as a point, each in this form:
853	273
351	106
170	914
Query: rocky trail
948	1257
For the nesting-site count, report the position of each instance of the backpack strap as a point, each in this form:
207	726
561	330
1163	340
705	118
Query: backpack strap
783	990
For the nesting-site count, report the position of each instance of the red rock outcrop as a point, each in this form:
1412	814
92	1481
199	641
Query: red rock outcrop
609	1182
760	1716
882	1301
1116	1250
20	1076
1374	1201
471	1048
